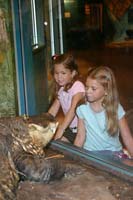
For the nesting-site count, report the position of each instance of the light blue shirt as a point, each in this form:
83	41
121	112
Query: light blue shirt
97	137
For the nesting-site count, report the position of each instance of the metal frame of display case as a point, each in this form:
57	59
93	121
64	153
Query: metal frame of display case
103	161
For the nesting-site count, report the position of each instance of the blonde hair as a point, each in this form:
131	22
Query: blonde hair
105	76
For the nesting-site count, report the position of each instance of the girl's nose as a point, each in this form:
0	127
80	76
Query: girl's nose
59	76
88	90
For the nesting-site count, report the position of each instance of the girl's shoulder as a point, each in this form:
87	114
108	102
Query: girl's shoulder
77	82
82	110
83	106
78	85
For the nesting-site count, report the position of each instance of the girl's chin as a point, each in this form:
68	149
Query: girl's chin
90	100
61	84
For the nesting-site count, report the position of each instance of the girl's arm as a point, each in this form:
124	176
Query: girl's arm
80	138
53	110
126	135
69	115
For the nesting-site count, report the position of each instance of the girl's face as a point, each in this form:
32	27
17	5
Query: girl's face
62	75
95	92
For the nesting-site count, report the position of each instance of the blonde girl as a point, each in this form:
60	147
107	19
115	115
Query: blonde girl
102	118
69	91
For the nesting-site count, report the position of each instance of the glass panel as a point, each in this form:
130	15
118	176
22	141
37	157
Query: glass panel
56	8
82	24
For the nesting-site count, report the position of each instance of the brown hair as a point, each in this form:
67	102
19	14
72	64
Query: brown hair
69	62
105	76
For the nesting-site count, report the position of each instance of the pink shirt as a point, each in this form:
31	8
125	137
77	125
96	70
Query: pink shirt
65	98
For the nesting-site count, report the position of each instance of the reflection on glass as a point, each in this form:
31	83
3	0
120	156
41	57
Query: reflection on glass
34	23
37	22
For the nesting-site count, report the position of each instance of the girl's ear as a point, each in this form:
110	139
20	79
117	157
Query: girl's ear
74	72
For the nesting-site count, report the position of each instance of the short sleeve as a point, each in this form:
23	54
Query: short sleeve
121	111
78	87
79	112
